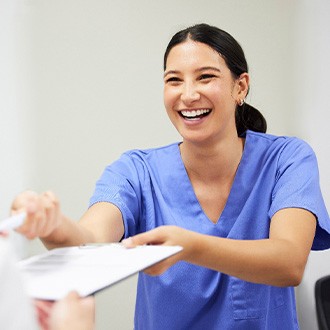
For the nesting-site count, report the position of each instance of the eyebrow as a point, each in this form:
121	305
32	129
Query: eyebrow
204	68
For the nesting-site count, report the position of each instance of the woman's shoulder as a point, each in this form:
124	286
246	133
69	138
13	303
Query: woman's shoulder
278	142
156	152
145	158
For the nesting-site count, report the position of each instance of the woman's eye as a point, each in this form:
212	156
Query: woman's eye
206	76
172	79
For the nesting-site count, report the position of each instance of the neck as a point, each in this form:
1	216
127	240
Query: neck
216	162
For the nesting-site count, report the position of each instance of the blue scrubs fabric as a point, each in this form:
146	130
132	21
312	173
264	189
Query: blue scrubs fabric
152	188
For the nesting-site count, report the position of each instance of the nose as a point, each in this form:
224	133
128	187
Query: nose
189	93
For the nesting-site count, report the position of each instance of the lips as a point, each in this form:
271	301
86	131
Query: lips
194	114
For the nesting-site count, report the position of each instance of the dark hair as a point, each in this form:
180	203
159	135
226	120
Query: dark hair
247	117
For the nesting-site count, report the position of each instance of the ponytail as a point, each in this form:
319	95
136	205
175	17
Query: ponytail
249	118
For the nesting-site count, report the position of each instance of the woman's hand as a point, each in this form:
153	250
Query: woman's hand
43	214
167	236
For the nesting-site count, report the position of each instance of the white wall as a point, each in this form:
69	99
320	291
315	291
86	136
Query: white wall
92	88
312	116
16	143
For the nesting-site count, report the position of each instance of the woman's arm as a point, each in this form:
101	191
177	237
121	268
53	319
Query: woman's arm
279	260
101	223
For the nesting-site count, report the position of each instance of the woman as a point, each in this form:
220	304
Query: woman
245	206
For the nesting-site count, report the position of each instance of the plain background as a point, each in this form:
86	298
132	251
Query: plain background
81	82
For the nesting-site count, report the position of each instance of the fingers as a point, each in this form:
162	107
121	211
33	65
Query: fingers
70	313
156	236
137	240
3	234
42	213
165	235
20	202
43	309
73	295
73	312
52	212
162	266
87	303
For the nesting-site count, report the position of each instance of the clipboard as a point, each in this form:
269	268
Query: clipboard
86	269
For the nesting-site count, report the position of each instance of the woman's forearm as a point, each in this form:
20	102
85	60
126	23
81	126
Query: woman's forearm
101	223
68	233
267	261
278	260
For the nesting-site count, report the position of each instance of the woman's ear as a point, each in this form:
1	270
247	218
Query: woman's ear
243	83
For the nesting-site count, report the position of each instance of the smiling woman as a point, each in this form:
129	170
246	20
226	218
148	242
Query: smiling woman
246	206
197	80
223	44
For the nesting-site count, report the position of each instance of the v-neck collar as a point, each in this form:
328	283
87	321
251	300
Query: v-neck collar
190	199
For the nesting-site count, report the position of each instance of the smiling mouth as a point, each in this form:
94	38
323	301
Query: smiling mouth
194	114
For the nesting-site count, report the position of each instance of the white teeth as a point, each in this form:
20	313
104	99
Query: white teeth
194	113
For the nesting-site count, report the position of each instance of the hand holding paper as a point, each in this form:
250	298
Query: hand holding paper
163	236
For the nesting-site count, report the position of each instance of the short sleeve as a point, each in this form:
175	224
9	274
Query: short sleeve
119	184
297	185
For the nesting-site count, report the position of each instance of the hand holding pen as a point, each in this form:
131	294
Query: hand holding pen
34	215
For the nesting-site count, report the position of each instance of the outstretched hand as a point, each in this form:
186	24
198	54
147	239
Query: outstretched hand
42	213
167	236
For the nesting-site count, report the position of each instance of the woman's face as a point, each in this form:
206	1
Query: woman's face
200	93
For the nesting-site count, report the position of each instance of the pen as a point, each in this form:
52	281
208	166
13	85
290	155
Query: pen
12	222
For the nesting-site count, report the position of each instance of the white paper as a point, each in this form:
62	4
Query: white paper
86	269
12	222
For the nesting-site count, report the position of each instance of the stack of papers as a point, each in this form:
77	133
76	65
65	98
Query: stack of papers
87	269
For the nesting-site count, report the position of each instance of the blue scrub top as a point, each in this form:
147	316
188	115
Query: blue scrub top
151	188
